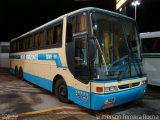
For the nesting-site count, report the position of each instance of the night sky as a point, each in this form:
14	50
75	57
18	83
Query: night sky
20	16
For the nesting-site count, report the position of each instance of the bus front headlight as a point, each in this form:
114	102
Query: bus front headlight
143	82
110	89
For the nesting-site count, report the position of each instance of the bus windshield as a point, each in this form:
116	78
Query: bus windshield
118	54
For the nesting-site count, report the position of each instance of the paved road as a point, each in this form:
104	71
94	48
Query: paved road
17	96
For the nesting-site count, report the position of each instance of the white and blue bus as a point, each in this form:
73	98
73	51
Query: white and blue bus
151	48
90	56
4	54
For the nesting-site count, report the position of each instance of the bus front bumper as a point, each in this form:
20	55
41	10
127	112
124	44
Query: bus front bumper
99	102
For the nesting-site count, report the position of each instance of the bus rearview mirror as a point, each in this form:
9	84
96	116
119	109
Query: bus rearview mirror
92	49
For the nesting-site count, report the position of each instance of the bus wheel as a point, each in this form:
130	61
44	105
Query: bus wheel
61	91
20	74
16	71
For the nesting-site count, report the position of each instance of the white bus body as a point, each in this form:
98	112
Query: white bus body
4	54
151	47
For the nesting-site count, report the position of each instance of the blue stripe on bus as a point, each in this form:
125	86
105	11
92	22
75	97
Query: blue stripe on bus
41	82
90	100
52	56
120	97
47	56
47	84
97	101
82	98
14	57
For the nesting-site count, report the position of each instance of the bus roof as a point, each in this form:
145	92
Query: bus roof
72	13
150	34
4	43
98	9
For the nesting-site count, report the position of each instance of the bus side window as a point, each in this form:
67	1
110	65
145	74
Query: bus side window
144	46
81	65
57	35
25	42
41	39
155	45
30	42
36	40
17	46
81	62
49	39
14	46
5	49
158	45
21	44
11	47
81	23
70	29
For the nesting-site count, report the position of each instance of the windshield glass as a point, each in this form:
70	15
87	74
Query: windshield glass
118	53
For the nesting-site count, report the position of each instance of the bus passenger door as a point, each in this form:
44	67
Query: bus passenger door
81	71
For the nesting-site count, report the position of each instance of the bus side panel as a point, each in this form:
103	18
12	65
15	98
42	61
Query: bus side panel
42	82
79	97
152	68
13	64
4	60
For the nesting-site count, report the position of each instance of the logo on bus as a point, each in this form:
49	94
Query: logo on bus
32	57
81	95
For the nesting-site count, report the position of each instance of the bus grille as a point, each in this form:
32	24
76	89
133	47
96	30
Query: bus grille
123	86
128	85
135	84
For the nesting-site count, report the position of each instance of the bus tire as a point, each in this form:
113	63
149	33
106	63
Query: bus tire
16	71
20	74
61	91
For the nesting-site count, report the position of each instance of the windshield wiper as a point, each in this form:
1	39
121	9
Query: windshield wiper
130	55
135	60
123	72
103	60
128	65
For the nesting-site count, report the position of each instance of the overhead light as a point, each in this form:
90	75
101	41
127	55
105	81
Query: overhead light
135	3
